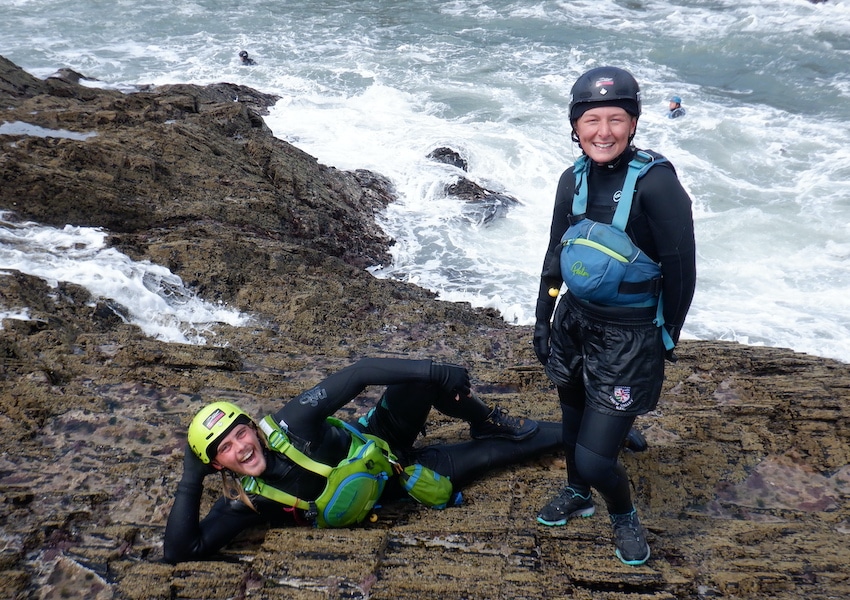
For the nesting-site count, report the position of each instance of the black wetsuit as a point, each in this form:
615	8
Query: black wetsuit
608	362
412	389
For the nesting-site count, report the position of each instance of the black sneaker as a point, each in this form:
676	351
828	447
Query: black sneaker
566	505
630	539
635	441
499	424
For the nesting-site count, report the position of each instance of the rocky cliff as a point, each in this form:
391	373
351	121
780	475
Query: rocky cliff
744	488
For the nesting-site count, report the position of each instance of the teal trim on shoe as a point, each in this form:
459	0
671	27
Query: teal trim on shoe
565	506
630	539
633	563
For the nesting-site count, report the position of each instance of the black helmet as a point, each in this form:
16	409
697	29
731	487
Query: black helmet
604	86
243	54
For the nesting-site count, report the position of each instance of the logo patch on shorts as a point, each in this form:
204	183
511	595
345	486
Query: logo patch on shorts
622	397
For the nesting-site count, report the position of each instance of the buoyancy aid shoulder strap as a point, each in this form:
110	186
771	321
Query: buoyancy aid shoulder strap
256	485
638	166
279	442
580	170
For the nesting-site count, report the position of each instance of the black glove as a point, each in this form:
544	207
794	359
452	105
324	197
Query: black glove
452	379
673	331
674	335
543	314
193	468
542	330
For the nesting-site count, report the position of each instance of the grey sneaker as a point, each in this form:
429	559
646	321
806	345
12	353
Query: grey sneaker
499	424
630	539
563	507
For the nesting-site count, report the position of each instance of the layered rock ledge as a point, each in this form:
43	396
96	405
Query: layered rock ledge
744	488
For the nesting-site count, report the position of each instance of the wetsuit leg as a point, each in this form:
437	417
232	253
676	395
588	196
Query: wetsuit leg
596	458
401	414
572	412
470	409
468	461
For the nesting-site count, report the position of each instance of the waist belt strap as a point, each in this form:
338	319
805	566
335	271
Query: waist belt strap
653	286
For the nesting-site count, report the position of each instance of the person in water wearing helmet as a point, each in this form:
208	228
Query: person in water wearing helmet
675	108
222	437
246	60
607	361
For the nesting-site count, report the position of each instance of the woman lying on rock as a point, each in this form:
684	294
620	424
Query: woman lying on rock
302	466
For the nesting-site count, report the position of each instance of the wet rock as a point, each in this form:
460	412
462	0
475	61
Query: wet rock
743	488
449	157
481	205
15	83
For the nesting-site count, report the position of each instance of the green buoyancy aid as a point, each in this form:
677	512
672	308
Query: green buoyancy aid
353	486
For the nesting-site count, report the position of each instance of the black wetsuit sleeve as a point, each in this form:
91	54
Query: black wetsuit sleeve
669	222
550	276
187	538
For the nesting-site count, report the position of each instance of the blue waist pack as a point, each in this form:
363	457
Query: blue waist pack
600	264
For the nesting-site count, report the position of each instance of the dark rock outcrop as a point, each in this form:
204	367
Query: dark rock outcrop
481	205
449	157
744	487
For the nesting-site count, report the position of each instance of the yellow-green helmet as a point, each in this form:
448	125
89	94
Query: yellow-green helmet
211	424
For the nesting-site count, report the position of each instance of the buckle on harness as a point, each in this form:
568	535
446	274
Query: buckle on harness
573	219
643	157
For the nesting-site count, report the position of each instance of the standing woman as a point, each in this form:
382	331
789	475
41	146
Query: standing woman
607	359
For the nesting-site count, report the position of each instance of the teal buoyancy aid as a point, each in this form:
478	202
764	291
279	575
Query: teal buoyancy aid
599	262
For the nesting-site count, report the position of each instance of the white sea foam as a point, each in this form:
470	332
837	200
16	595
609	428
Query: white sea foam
21	128
140	292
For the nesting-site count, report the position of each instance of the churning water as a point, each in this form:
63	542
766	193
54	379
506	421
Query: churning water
764	149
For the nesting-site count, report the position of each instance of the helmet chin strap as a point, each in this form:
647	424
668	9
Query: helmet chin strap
630	149
614	163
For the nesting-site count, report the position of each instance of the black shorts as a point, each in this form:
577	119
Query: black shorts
615	354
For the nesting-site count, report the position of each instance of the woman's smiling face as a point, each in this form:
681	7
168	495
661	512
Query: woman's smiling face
241	452
604	133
